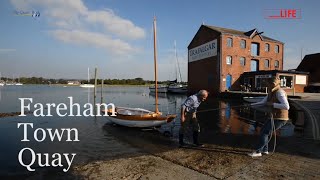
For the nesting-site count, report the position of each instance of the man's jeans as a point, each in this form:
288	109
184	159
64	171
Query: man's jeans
266	131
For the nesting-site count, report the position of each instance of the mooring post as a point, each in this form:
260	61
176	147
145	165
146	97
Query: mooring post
95	90
101	90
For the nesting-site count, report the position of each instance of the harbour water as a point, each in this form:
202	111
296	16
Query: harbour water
95	142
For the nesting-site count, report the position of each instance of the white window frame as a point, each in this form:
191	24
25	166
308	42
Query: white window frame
229	42
244	61
243	44
229	60
276	48
277	67
264	63
267	47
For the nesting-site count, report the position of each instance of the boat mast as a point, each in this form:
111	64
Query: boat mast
175	64
175	50
155	62
88	75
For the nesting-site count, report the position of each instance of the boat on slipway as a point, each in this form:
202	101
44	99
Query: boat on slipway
138	117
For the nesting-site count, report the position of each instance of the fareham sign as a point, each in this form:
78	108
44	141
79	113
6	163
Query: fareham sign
206	50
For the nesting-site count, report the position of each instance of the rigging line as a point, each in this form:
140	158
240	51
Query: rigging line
175	48
215	109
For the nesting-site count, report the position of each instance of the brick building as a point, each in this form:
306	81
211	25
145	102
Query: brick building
290	81
218	56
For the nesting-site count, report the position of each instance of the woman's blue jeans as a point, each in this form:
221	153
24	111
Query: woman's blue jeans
266	132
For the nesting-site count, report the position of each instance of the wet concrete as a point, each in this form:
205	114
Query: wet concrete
224	155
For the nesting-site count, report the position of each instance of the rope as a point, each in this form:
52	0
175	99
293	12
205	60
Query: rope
215	109
271	117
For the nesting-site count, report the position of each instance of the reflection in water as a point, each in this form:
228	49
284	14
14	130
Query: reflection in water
246	120
227	117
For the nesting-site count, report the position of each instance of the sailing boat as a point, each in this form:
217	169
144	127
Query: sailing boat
87	85
175	86
19	83
138	117
1	82
158	88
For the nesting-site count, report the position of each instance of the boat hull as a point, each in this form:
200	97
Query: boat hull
178	90
160	89
135	123
87	85
137	117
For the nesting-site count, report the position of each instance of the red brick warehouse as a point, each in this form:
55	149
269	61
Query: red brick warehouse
218	56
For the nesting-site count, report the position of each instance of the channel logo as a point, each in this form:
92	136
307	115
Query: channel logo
282	13
34	14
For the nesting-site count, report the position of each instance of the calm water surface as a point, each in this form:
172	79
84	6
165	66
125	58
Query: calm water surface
95	142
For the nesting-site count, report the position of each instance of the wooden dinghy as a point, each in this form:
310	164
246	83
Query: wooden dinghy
138	117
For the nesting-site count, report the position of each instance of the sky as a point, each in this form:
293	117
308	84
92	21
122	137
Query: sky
116	36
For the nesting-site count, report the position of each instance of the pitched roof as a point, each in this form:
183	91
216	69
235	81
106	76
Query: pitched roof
309	61
248	34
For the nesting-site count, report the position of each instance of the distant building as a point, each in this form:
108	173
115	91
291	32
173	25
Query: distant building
73	82
290	81
311	64
218	56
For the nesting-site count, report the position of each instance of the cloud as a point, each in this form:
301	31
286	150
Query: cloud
7	50
74	23
115	24
94	39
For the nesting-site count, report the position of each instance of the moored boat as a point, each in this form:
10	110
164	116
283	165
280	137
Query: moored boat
177	88
138	117
87	85
161	89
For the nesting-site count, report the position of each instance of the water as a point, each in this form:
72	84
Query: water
95	142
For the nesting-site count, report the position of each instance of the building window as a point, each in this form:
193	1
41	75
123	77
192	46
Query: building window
286	81
276	49
242	61
266	63
229	42
267	47
254	49
229	60
276	64
243	44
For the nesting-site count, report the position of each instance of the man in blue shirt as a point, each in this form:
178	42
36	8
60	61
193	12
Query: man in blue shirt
188	115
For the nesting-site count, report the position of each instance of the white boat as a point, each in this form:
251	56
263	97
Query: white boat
18	83
175	86
10	84
253	99
2	83
138	117
87	85
161	89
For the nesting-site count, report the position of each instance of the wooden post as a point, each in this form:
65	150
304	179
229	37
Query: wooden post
101	90
293	91
95	90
